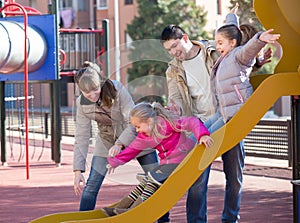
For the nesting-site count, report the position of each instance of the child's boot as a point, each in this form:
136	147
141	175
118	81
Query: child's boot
123	204
122	210
108	211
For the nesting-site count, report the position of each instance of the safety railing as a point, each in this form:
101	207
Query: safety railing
270	138
77	46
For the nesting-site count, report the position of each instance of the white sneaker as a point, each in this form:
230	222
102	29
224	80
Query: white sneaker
140	176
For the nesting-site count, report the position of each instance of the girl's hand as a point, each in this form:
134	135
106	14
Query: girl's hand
266	58
234	9
110	169
268	37
207	141
114	150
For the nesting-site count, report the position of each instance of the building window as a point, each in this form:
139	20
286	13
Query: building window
102	4
82	5
66	4
128	2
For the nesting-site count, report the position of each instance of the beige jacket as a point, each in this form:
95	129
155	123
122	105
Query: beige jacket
230	77
177	81
118	131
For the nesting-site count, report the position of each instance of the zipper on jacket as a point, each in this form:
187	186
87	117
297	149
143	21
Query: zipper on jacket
238	93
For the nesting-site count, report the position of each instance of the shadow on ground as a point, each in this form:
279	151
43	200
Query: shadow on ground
20	205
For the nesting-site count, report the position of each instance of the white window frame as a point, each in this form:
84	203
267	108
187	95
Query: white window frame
102	4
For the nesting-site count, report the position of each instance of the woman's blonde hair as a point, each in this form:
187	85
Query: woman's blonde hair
89	78
145	110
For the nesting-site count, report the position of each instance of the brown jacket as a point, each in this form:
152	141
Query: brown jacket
177	81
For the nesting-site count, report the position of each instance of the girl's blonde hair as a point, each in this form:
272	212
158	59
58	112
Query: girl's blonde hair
89	78
145	110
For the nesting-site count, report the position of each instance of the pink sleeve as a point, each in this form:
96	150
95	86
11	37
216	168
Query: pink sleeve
194	125
114	162
127	154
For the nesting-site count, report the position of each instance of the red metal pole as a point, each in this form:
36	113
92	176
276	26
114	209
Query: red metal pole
25	80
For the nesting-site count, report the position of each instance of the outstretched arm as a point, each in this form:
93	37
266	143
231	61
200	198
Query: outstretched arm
268	37
231	17
131	151
235	8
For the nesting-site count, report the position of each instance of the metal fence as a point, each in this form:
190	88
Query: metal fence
269	138
41	122
78	45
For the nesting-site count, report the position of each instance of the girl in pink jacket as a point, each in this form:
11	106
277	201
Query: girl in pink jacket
157	128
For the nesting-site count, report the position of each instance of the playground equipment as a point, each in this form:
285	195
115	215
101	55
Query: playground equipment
40	50
11	33
13	61
284	18
29	52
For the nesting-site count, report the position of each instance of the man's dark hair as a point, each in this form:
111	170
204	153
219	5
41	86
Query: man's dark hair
171	32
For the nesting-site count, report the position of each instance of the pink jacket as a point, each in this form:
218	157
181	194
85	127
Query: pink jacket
171	149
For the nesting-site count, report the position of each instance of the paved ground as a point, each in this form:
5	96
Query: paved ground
267	191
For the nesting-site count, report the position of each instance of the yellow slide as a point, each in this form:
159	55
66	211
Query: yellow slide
285	82
190	169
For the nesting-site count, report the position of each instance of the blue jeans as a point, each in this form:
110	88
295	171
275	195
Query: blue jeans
97	175
233	165
164	218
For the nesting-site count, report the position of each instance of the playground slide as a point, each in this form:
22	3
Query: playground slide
189	170
284	18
